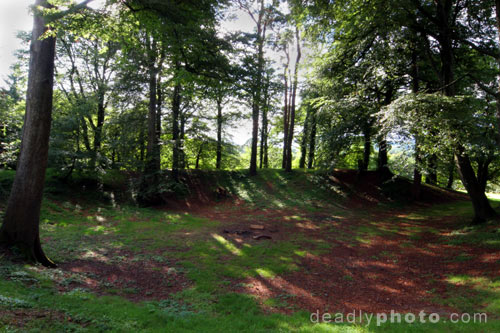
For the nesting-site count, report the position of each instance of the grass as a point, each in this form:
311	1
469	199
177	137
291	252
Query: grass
34	299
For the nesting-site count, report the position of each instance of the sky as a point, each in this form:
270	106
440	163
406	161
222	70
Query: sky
15	16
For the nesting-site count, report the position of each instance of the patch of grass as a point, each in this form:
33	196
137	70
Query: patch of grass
487	235
471	294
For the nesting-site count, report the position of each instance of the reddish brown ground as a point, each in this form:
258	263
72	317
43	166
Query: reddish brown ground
404	271
377	277
394	271
134	278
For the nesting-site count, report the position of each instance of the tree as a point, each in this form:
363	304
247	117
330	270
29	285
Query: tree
21	221
262	16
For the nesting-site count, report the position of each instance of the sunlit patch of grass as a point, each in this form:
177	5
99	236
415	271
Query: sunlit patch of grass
473	293
483	236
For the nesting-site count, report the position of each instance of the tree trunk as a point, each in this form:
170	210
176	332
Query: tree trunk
383	160
367	148
98	128
292	106
182	134
218	162
482	207
261	36
198	155
312	141
497	11
286	117
451	173
159	104
417	175
303	145
481	204
431	177
176	108
152	145
21	222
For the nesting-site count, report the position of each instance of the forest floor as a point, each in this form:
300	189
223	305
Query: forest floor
274	255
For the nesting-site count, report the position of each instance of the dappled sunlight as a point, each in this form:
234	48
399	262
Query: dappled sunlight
227	245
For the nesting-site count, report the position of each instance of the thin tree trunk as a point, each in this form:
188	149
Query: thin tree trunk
22	217
303	145
431	177
159	104
451	173
383	160
312	141
367	148
218	162
261	36
152	146
286	113
176	106
417	175
292	106
198	155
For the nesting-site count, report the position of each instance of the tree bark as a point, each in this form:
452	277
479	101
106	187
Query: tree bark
367	148
198	155
176	108
21	222
218	162
261	36
303	145
312	140
482	207
285	116
383	160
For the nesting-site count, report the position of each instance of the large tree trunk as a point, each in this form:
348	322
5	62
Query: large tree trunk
482	207
481	204
497	11
21	222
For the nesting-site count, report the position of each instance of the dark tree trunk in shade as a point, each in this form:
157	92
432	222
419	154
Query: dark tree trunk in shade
285	121
497	12
415	83
303	144
312	140
21	221
198	156
383	160
367	148
431	177
218	162
176	109
482	208
451	172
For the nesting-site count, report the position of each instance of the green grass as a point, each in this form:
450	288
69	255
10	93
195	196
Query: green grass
212	262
